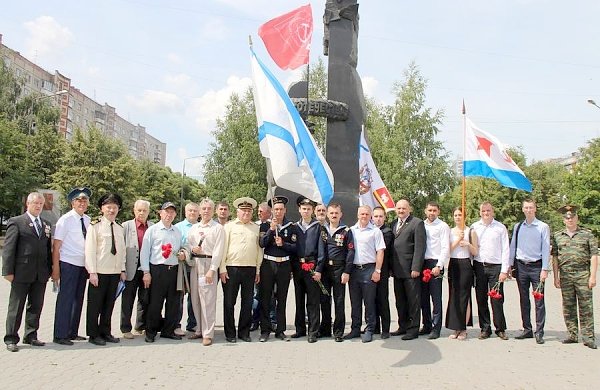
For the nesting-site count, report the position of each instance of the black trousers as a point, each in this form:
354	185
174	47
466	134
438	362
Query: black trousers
459	313
163	290
528	274
485	278
431	290
33	294
308	293
241	279
408	304
134	287
383	316
273	274
362	290
101	301
332	281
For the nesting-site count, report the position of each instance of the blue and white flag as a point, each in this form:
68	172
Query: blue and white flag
296	162
486	156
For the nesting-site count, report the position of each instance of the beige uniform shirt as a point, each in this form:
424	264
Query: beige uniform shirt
98	243
211	238
241	245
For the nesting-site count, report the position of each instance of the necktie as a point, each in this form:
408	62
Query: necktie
113	248
83	229
38	227
400	224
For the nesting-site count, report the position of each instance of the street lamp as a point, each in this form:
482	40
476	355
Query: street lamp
593	103
34	99
183	183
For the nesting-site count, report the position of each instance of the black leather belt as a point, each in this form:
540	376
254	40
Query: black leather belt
308	259
530	262
364	266
202	256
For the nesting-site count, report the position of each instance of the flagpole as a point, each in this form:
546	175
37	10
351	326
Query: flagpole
464	181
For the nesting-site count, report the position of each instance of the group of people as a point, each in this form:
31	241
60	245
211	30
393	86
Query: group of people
160	263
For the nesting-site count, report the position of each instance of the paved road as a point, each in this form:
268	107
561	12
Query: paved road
441	363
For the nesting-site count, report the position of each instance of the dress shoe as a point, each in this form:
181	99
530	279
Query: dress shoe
398	332
410	336
590	344
231	339
525	335
263	337
484	335
179	332
63	341
172	336
367	337
111	339
149	339
297	335
12	347
569	341
338	339
539	339
352	335
424	331
385	335
97	341
128	335
281	336
206	341
247	339
501	335
138	332
34	343
78	338
195	336
434	335
312	339
254	326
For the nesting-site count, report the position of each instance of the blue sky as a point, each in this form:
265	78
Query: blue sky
524	67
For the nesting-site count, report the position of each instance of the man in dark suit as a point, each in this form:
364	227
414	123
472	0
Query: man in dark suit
27	264
382	301
407	263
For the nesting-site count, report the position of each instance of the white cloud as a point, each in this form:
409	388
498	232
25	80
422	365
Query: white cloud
369	85
210	106
214	30
46	36
156	101
180	83
174	58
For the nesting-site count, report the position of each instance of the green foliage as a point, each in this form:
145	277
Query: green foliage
234	166
402	137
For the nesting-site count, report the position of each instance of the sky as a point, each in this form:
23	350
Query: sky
525	68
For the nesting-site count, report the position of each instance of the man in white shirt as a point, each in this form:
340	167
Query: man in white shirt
437	254
369	248
490	265
68	266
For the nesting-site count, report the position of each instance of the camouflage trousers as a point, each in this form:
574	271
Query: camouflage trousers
576	294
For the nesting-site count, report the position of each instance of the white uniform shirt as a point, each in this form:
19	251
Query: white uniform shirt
68	230
367	241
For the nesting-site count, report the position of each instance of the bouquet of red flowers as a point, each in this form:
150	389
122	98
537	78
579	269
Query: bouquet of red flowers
426	275
538	292
310	267
494	293
166	250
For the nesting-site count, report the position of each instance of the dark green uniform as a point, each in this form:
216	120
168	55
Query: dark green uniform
574	257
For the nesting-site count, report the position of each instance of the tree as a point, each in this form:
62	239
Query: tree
234	166
583	187
402	138
97	161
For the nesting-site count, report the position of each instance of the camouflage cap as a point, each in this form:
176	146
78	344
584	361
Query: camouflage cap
568	211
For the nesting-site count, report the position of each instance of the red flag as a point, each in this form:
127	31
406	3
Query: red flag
287	37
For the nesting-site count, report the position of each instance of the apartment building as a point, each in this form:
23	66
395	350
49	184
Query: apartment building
77	110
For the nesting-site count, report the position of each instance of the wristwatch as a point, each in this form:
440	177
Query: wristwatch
378	270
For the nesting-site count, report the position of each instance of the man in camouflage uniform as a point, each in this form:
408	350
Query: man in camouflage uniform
575	261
